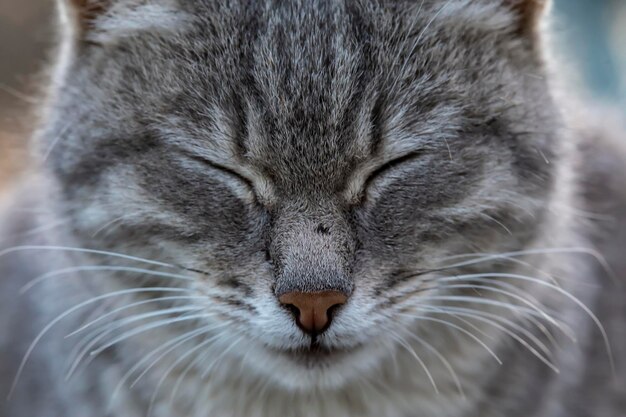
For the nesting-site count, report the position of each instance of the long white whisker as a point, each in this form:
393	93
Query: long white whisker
498	222
412	352
66	313
145	328
561	291
563	327
155	361
220	356
533	306
199	358
485	257
92	268
493	320
112	222
478	300
171	368
471	326
458	328
43	228
546	251
443	360
132	305
56	140
83	250
118	324
165	349
523	342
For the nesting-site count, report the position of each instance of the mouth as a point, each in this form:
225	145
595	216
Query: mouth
316	355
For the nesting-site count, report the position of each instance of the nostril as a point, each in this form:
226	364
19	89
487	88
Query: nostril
331	311
313	311
293	310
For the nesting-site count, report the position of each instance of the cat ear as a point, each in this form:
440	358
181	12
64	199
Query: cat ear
82	14
104	21
529	13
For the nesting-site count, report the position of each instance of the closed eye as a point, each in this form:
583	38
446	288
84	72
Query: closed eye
222	168
390	166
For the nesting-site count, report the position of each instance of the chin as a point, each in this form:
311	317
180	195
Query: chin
317	367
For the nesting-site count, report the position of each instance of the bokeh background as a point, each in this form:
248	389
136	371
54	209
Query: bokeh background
590	36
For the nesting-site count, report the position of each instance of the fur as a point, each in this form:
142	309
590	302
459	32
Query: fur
197	159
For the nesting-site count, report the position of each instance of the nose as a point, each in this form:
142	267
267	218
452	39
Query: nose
313	310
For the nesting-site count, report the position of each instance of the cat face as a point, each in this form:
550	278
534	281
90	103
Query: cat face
273	150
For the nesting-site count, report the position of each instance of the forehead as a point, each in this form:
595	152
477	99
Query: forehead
304	91
302	81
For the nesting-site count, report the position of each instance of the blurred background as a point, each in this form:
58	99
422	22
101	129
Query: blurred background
590	36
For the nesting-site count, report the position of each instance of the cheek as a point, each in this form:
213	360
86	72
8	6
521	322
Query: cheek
205	202
137	207
409	209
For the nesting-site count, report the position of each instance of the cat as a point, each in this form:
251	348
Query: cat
312	208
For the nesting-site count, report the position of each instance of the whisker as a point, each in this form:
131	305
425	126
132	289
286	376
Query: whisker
563	327
43	228
68	312
145	328
15	249
171	368
504	292
506	258
471	326
561	291
199	358
510	257
169	346
480	300
92	268
545	251
441	358
523	342
83	250
458	328
116	324
129	306
165	349
100	334
489	317
412	352
153	363
113	222
221	355
56	140
498	222
456	311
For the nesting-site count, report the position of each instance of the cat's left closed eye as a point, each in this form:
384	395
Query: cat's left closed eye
390	166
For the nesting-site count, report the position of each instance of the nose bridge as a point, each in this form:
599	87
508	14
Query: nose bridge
312	246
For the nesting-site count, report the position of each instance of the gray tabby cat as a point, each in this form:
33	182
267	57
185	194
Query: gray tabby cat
312	208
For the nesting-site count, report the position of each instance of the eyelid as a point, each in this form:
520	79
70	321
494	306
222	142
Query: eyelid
221	168
390	165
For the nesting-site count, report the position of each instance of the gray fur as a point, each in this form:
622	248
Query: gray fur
261	147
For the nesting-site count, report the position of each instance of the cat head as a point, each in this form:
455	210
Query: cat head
309	164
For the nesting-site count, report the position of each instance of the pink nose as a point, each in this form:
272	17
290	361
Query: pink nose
313	310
